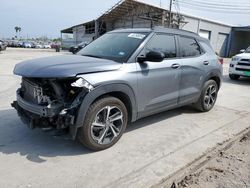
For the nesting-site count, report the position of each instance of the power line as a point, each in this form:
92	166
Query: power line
225	7
218	4
215	9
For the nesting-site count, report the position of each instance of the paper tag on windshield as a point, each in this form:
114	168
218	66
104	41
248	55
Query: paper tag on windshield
136	36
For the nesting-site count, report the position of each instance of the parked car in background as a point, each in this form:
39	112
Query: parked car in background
240	65
3	45
119	78
39	46
46	46
55	45
77	48
26	45
13	43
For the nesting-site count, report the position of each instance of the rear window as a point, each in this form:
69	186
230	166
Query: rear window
189	47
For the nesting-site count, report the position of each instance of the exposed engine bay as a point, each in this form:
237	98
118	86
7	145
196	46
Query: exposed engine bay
50	103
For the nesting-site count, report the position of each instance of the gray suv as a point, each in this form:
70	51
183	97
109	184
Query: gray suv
119	78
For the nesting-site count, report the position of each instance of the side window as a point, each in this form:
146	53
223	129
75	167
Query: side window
189	47
162	43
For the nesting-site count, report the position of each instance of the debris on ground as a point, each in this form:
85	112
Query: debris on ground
229	169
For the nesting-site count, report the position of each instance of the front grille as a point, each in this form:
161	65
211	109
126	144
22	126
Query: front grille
244	64
247	60
242	69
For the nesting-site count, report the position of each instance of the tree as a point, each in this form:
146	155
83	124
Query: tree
18	30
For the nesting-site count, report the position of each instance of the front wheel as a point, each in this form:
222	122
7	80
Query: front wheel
104	124
208	96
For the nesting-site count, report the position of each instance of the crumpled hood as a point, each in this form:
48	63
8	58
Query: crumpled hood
63	66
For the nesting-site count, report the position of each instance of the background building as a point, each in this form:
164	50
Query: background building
225	39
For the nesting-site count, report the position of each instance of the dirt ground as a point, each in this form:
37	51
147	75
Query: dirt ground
229	169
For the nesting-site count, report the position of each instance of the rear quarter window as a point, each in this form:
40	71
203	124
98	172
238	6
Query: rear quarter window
207	48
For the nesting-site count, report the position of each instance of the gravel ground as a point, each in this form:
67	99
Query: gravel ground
229	169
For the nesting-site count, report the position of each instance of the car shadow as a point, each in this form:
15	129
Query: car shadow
244	81
160	117
16	138
36	145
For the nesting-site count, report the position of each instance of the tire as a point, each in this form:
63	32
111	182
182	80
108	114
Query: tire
205	104
98	133
234	76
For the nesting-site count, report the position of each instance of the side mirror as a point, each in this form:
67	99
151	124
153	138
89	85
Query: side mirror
242	50
152	56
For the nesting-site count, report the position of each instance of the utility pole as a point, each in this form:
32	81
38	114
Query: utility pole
170	14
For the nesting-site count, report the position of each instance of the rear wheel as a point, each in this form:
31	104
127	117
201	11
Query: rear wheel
208	96
234	76
104	124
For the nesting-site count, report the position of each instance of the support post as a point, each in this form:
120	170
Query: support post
96	29
170	14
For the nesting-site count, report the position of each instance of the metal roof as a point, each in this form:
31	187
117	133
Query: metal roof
70	29
124	7
241	28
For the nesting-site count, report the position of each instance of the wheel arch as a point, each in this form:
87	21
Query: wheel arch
121	91
216	76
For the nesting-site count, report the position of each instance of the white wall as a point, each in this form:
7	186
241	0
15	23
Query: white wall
195	24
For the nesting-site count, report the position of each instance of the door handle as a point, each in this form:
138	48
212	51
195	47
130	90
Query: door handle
175	66
206	63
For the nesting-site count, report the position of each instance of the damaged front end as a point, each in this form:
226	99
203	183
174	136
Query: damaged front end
50	103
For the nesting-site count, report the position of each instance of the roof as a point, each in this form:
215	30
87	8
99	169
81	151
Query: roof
123	7
161	30
241	28
70	29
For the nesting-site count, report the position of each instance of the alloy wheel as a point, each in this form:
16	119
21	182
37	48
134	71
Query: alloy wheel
107	125
210	96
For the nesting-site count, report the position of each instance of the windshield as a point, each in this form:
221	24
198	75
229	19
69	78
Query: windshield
115	46
247	50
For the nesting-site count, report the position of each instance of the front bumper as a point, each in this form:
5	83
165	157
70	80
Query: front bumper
240	73
239	70
42	111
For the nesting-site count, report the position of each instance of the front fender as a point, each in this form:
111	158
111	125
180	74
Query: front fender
97	92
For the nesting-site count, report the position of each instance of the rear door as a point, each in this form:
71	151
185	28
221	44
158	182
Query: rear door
158	82
193	64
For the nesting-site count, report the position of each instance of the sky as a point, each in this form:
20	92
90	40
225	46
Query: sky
48	17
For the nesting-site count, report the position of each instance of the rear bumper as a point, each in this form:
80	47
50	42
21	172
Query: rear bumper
42	111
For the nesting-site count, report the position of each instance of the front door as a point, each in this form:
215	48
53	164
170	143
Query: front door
158	82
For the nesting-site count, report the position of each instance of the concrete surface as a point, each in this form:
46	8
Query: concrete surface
150	150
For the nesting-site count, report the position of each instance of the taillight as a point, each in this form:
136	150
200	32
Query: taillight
220	60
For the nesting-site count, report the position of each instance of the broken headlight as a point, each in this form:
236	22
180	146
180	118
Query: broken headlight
82	83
